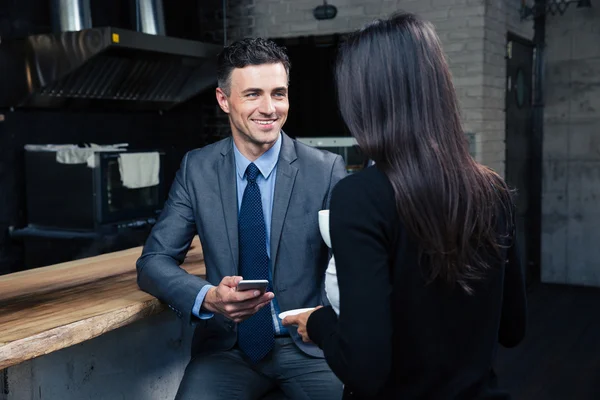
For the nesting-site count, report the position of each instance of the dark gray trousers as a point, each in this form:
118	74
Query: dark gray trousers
228	375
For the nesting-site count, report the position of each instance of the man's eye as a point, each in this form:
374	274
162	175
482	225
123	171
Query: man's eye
252	95
280	94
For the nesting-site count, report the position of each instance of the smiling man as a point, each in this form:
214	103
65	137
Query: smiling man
253	199
256	99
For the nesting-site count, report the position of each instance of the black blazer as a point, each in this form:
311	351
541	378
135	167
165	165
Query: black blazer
398	337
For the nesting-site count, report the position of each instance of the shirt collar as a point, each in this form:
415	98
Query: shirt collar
265	162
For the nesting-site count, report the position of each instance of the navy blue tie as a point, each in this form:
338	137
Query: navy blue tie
256	334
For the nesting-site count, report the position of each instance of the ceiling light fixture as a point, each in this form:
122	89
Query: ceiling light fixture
325	11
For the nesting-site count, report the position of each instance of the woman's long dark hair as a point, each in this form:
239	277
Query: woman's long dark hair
396	95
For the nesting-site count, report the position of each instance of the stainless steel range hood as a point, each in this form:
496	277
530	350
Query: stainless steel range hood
81	66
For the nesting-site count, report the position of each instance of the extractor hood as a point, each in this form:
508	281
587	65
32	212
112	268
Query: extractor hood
108	67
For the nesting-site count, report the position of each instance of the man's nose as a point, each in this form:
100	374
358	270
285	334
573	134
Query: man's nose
267	106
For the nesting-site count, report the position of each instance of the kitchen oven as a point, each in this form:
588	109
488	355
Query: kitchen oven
84	197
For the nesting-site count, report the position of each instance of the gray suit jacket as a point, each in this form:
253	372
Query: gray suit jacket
203	200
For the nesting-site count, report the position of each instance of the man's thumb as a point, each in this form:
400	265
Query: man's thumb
231	281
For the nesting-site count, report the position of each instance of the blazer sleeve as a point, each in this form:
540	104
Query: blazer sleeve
158	269
358	344
513	319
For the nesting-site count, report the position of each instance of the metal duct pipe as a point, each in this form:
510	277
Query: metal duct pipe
150	17
71	15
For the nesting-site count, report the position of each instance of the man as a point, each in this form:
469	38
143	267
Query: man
253	199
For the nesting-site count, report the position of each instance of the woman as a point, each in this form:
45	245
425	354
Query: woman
423	240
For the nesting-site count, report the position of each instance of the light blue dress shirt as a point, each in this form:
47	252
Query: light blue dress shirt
267	164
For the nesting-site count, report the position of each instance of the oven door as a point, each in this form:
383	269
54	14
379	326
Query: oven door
117	203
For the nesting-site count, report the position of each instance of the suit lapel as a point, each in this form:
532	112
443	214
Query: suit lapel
285	178
227	186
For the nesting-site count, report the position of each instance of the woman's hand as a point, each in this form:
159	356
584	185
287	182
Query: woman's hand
300	321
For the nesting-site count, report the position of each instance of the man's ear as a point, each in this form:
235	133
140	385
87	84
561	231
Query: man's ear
222	100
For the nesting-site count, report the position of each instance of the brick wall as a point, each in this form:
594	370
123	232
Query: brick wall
571	163
492	128
459	23
473	33
500	16
212	30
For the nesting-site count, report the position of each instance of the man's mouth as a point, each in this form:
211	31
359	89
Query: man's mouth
264	121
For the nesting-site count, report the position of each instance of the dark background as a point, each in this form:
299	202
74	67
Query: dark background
313	100
198	122
188	126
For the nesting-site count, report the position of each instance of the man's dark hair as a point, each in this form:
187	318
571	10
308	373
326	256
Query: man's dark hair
256	51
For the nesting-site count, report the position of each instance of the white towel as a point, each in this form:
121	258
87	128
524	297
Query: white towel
73	154
139	170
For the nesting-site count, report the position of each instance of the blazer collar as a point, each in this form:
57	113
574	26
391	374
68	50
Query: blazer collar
287	170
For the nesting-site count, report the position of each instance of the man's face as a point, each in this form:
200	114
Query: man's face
257	105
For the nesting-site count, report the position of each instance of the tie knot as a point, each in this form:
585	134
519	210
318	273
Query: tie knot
252	172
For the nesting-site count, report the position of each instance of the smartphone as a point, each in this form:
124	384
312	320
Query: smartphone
258	284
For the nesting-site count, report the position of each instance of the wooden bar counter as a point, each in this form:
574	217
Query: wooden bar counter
47	309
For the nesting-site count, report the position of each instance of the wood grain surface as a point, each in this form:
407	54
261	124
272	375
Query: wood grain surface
46	309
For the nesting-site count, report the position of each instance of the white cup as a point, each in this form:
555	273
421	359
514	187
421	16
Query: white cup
324	226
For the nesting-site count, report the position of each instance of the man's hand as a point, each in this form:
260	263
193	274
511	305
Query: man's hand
237	306
300	321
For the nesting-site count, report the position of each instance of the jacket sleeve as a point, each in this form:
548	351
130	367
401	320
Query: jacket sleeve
158	269
513	320
358	344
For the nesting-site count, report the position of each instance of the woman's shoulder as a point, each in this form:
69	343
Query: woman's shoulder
365	188
367	177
